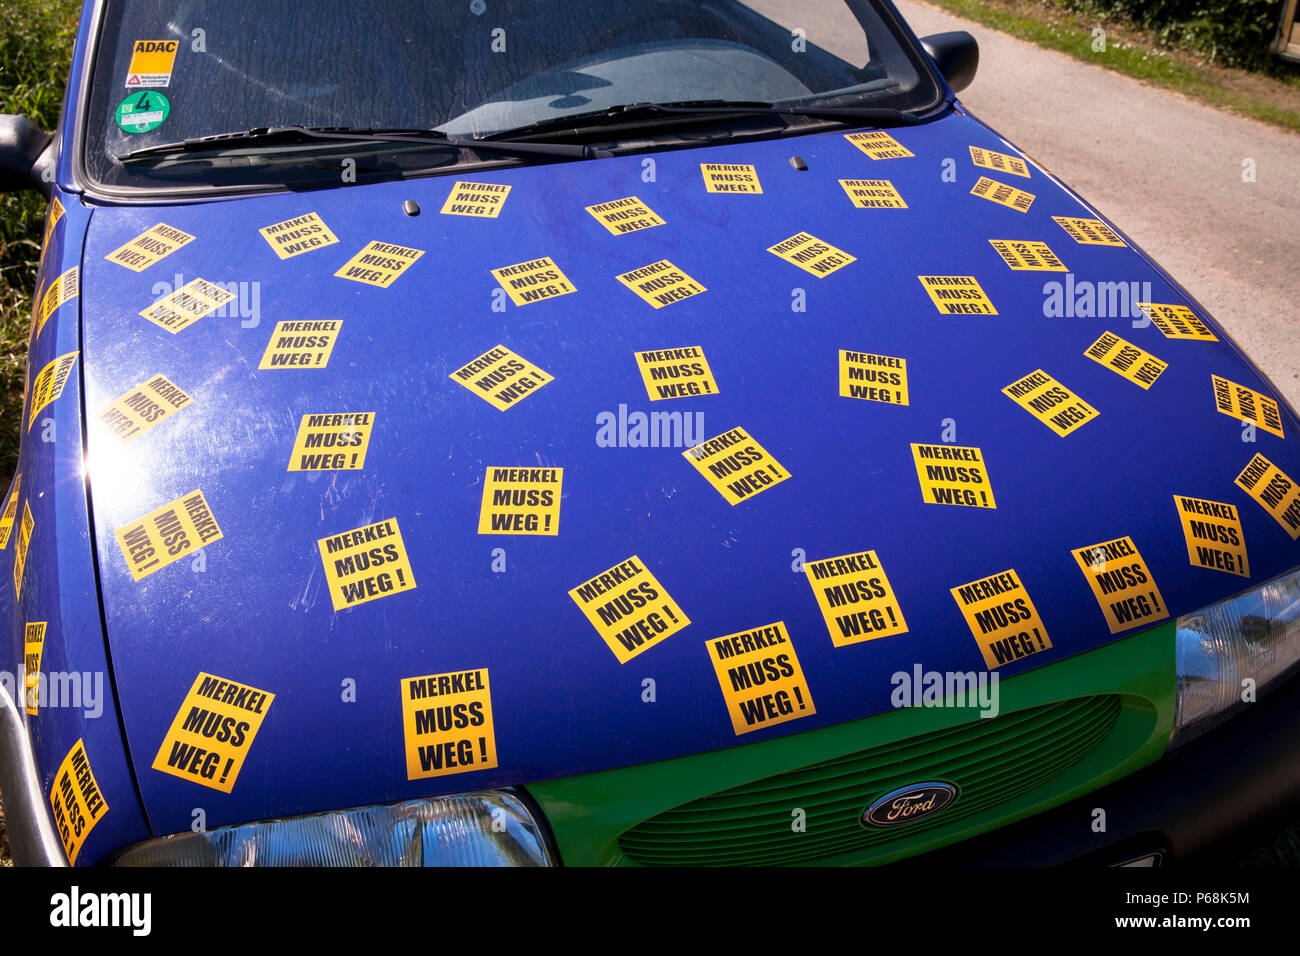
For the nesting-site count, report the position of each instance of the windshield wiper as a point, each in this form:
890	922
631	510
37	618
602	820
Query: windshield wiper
270	135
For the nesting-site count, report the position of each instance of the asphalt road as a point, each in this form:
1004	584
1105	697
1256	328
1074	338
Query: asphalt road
1166	170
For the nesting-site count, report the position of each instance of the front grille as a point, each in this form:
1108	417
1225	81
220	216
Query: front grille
990	760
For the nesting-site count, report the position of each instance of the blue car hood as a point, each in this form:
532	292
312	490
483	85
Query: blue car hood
465	654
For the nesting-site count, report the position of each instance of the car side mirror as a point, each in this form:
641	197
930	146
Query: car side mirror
26	160
956	54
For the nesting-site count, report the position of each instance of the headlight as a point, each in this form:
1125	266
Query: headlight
1254	635
488	828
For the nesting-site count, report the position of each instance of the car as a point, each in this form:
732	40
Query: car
605	433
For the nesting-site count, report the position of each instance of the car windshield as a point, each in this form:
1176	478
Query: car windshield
167	71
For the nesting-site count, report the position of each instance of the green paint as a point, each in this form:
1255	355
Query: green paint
143	111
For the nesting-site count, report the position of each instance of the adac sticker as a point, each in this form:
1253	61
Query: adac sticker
152	245
167	534
49	385
760	677
855	597
1000	162
730	178
621	216
1002	194
1089	232
533	281
676	373
25	530
811	254
1001	618
1050	402
335	441
1026	255
300	234
33	648
151	63
736	465
305	344
1275	490
142	112
1177	322
1122	584
10	513
953	475
366	564
661	283
63	289
873	378
76	800
629	608
521	501
379	263
477	200
142	407
879	145
1213	533
1126	359
500	377
873	194
191	302
1242	403
958	295
213	731
447	723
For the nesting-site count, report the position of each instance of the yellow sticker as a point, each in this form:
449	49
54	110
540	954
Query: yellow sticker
25	530
873	378
760	677
500	377
1050	402
213	731
167	534
661	283
63	289
953	475
1121	583
1089	232
1177	322
10	513
332	442
533	281
999	162
149	247
366	564
447	724
879	145
1003	195
33	647
1214	536
76	800
151	63
1123	358
958	295
736	465
730	178
51	220
676	373
873	194
49	384
379	263
1024	255
521	501
141	408
300	234
811	254
301	344
629	609
621	216
855	597
1275	490
1245	404
182	308
480	200
1001	618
